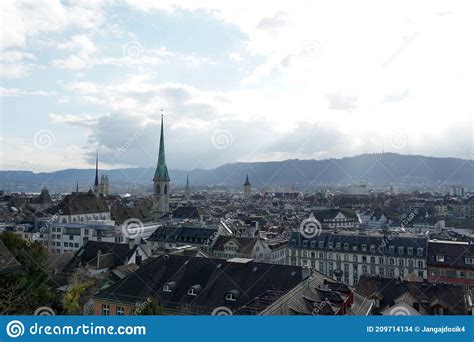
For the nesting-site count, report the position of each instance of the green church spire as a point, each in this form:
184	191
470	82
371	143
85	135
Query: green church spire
161	172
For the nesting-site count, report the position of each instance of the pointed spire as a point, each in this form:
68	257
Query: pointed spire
161	172
77	185
247	182
96	182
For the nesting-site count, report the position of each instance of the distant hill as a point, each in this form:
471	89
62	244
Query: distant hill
379	169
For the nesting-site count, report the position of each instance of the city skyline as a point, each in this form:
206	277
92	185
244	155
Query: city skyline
279	83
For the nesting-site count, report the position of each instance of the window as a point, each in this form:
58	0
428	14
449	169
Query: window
440	258
381	260
354	258
419	251
391	249
372	260
330	245
192	292
400	250
364	248
305	243
321	244
346	246
120	311
321	255
313	244
105	309
71	237
401	262
372	248
469	261
354	247
364	259
410	250
338	245
420	263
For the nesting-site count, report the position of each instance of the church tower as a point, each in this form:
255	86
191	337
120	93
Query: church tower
187	190
247	188
96	181
161	182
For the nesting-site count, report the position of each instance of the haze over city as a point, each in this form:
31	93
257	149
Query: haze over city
253	81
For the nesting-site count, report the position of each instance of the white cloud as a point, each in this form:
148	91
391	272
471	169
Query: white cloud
21	92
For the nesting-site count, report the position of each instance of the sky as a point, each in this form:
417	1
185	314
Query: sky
236	81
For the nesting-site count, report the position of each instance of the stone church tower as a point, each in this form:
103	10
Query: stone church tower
247	188
161	182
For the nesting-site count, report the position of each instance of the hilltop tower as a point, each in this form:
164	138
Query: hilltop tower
247	188
187	190
161	182
104	185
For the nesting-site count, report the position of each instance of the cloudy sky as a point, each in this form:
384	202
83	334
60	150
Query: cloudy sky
237	81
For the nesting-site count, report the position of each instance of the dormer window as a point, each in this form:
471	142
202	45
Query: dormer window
440	258
194	290
232	295
169	287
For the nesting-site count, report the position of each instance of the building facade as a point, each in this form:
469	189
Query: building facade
345	255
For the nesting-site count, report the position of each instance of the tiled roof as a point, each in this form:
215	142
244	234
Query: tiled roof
213	279
80	203
454	253
388	291
319	295
8	263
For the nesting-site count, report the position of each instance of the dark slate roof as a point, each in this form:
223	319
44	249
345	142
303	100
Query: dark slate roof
116	254
187	212
388	290
8	263
213	279
80	203
245	244
60	261
120	215
380	241
454	253
320	295
182	234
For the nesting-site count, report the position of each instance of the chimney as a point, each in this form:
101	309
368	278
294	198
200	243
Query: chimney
306	272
